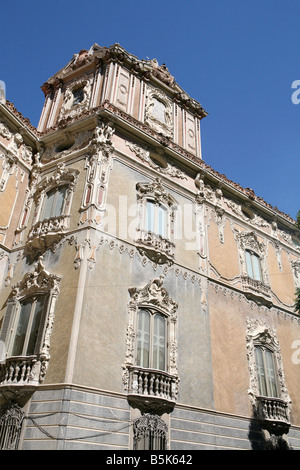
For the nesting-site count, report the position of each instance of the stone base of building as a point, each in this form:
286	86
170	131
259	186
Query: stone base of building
77	418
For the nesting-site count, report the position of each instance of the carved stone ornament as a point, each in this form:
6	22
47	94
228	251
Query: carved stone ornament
275	412
4	131
37	282
61	175
158	112
296	269
98	166
162	166
249	241
71	107
156	295
150	389
155	191
22	373
157	248
48	232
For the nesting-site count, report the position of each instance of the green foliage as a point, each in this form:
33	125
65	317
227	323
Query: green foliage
298	220
297	303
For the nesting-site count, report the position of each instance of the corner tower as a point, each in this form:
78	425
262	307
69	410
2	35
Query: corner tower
142	92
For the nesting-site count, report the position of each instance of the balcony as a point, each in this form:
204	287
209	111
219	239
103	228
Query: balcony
256	289
151	390
22	371
158	249
273	414
46	232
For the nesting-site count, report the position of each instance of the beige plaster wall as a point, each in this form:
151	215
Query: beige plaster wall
231	376
223	256
281	280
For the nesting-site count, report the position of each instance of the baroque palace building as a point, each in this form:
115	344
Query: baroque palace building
147	302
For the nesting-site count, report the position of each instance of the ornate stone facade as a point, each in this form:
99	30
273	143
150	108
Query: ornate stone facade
141	290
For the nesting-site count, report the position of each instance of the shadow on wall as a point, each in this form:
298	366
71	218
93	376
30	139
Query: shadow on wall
261	441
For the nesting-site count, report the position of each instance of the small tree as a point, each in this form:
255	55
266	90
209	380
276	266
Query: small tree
297	303
298	219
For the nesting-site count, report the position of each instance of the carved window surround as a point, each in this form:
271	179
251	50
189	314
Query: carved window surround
151	390
47	232
158	248
272	412
71	105
253	288
29	371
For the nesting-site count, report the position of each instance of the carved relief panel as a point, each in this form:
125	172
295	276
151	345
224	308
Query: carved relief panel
159	112
76	98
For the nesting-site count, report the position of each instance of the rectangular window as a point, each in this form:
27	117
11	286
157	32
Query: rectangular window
151	340
28	325
156	219
54	202
253	266
266	372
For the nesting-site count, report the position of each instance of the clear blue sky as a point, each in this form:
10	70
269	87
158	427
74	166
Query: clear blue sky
238	58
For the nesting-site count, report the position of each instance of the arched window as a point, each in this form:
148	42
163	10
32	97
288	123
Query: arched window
266	371
151	340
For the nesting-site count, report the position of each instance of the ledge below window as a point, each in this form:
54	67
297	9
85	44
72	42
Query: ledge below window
45	233
273	414
256	290
151	390
23	371
158	249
